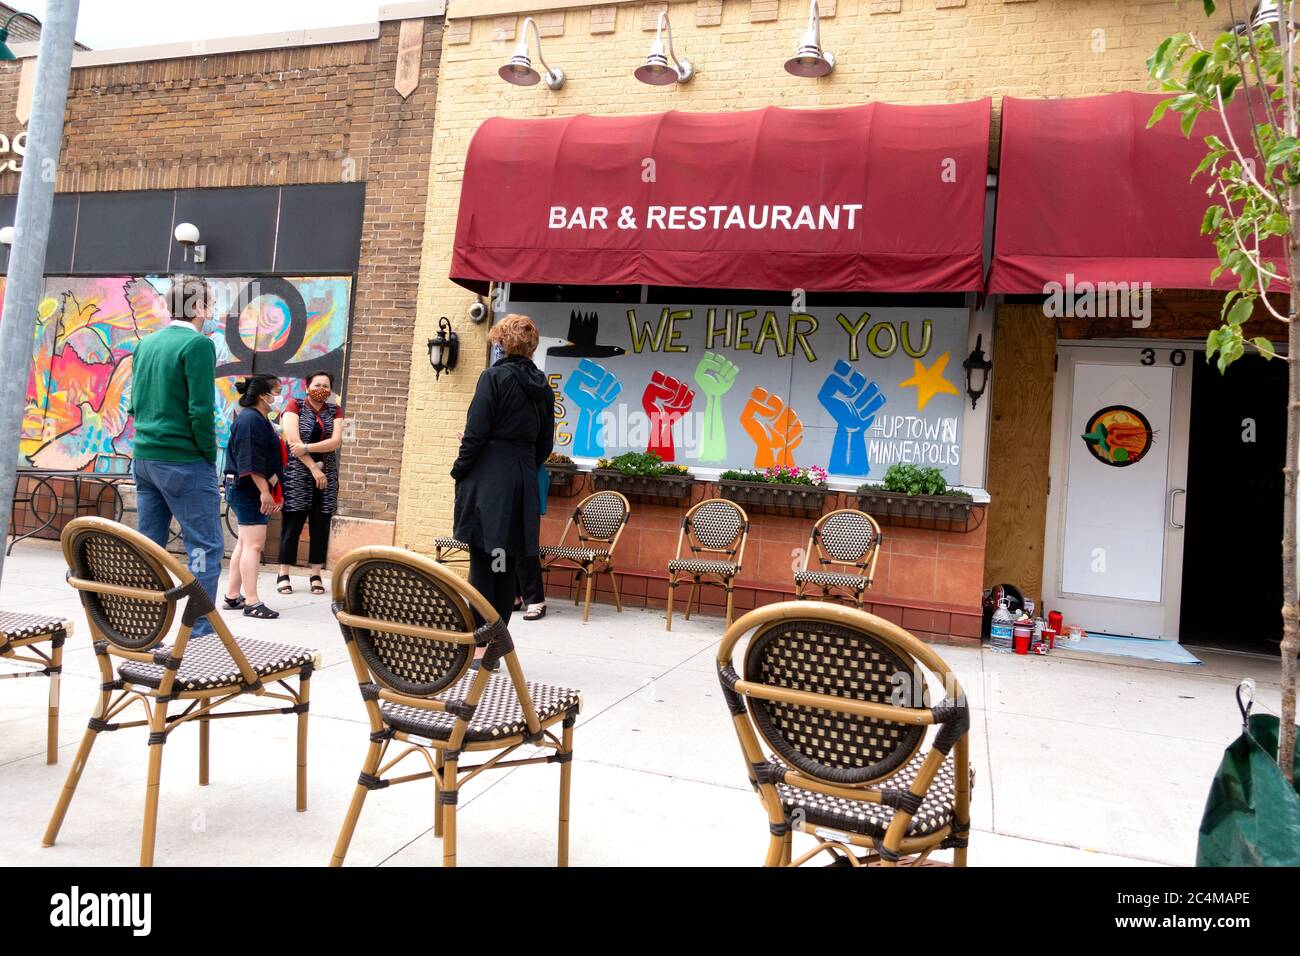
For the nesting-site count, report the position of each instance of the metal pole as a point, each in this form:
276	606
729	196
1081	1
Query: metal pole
31	233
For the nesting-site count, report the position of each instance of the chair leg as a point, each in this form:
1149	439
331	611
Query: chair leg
447	802
775	850
204	727
731	596
798	590
438	764
157	725
368	769
304	699
613	580
70	785
789	847
52	730
586	607
858	598
577	587
672	589
566	778
691	597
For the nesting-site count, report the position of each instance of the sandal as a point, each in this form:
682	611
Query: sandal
282	584
535	612
317	585
260	610
234	603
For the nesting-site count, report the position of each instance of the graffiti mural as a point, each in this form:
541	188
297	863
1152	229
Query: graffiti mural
87	329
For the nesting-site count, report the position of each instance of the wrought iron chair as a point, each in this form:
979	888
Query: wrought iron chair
409	627
450	551
845	545
20	635
714	530
599	520
131	589
838	698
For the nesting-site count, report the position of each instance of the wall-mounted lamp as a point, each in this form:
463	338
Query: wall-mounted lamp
811	60
5	52
656	70
443	349
187	234
977	368
519	70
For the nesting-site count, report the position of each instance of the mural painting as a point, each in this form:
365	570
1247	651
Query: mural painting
853	390
78	389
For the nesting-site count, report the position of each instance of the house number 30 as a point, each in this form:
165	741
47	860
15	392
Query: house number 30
1177	357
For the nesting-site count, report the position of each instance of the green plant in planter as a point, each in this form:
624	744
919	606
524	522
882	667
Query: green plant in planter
814	476
641	464
905	479
557	459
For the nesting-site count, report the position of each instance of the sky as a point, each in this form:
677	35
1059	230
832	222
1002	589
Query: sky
110	24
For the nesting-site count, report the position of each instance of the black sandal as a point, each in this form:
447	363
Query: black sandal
234	603
261	611
535	612
317	585
282	584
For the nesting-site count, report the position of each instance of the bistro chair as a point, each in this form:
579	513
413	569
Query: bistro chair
845	545
450	551
409	627
20	637
599	520
131	590
714	531
832	719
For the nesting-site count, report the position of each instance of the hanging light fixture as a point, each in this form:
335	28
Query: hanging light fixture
811	59
519	70
977	368
444	348
656	70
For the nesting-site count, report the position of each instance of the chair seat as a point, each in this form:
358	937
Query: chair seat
207	665
499	714
581	555
831	579
873	819
450	544
26	628
701	566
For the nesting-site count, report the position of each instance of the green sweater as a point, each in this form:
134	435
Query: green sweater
173	396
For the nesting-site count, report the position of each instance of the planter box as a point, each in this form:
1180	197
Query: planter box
934	512
562	476
760	497
665	489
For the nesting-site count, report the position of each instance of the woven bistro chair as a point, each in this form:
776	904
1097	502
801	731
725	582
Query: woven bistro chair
714	531
20	637
832	719
450	551
409	627
845	545
599	520
131	590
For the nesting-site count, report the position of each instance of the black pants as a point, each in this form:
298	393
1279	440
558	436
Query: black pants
498	586
529	573
291	523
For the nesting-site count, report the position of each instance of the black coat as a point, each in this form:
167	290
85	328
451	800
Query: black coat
509	433
253	448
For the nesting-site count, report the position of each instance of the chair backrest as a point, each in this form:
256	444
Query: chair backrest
124	580
848	537
408	616
715	525
600	516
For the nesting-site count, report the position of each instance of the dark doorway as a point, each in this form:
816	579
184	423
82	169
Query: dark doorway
1232	547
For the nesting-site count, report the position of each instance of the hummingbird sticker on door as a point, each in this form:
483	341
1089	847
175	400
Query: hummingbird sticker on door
1118	435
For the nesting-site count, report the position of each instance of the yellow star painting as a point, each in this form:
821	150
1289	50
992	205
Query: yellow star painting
929	382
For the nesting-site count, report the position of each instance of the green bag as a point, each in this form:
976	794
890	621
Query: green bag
1252	816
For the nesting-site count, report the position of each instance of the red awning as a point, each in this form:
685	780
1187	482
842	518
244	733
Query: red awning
1086	190
868	198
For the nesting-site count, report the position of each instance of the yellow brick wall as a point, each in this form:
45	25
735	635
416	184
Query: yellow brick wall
900	51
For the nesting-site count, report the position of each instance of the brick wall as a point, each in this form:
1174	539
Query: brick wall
315	114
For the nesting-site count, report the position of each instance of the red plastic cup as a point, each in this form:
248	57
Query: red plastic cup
1054	621
1021	643
1049	635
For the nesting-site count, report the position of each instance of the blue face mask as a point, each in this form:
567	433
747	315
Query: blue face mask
211	327
498	353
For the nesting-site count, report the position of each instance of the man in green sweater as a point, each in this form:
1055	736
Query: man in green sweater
173	398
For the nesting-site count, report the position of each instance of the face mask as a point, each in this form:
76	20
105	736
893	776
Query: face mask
319	394
498	353
276	403
211	327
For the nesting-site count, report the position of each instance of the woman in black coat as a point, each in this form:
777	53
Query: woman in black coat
509	432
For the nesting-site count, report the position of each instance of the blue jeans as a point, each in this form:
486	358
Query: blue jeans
188	491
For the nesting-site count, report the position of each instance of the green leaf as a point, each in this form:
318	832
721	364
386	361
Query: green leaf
1187	122
1208	6
1264	345
1227	85
1162	107
1241	311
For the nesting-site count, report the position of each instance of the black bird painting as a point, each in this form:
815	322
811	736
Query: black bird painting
582	339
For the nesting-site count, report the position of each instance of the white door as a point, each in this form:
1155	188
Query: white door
1114	555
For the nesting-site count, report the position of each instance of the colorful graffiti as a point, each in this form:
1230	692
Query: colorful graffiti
87	329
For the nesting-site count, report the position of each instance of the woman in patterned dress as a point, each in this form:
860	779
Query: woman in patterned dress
313	430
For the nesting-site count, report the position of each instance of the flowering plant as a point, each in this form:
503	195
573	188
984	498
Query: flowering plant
814	475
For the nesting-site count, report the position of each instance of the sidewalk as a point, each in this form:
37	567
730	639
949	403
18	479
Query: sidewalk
1078	762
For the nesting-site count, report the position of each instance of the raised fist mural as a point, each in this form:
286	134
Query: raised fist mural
714	375
592	388
853	402
775	428
666	400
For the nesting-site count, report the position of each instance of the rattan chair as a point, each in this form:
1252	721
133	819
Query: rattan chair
409	627
714	531
131	589
845	545
839	701
599	520
450	551
20	638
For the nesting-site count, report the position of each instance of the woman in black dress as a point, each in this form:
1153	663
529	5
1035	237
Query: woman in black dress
253	473
313	430
509	433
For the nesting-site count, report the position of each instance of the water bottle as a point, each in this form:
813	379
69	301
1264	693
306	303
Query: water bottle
1000	628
